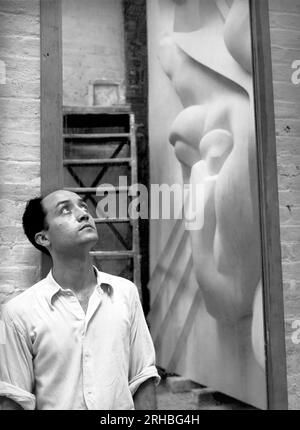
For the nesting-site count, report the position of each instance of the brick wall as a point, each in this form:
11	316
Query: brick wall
93	46
285	40
19	139
137	96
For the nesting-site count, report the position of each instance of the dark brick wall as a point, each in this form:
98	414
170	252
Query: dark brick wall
137	95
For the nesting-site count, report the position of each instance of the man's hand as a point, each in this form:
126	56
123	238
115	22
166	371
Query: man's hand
9	405
145	396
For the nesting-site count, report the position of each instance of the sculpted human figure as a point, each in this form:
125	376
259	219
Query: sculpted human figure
208	60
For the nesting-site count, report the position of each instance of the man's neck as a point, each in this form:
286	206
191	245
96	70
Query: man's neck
75	273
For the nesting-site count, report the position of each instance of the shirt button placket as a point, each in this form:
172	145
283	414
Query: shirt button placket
87	377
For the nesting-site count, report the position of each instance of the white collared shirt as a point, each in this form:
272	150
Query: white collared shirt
57	357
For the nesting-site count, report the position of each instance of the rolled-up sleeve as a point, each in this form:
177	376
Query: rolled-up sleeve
16	365
142	354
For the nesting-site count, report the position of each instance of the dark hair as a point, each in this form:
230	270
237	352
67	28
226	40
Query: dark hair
107	288
34	221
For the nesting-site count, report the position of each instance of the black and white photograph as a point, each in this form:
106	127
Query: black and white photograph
150	207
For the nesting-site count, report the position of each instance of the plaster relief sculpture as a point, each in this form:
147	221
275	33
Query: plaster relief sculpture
206	54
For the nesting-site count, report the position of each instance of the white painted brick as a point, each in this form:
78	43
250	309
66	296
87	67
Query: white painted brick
284	56
285	215
20	47
19	255
291	6
22	78
287	38
295	216
288	127
290	233
10	212
291	271
19	172
15	280
24	191
287	110
289	198
17	137
290	252
11	124
295	184
282	73
284	182
19	277
19	108
288	146
286	252
100	53
286	159
294	393
19	140
19	152
285	20
286	91
13	235
21	25
19	114
290	169
27	7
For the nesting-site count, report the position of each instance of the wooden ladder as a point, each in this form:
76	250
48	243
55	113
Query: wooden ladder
99	144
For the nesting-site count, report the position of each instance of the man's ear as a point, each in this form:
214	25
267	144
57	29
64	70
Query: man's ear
41	239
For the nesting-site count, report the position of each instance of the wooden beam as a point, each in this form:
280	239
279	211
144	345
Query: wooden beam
51	96
97	136
94	110
96	161
269	207
51	102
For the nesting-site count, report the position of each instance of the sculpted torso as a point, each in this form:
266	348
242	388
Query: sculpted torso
214	141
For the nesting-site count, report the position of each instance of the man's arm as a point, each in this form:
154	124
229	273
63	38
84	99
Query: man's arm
9	405
16	364
145	396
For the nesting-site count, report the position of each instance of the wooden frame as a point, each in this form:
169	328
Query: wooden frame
269	207
52	170
51	102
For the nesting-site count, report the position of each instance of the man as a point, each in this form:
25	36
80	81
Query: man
77	339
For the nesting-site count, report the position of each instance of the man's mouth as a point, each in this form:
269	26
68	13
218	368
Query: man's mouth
87	226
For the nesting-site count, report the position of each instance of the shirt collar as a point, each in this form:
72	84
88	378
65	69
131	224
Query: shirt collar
52	287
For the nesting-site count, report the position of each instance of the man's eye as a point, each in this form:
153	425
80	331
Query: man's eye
65	210
85	206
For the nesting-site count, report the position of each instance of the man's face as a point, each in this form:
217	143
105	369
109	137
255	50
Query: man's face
70	225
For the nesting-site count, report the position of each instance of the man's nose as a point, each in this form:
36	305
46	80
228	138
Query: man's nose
81	214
